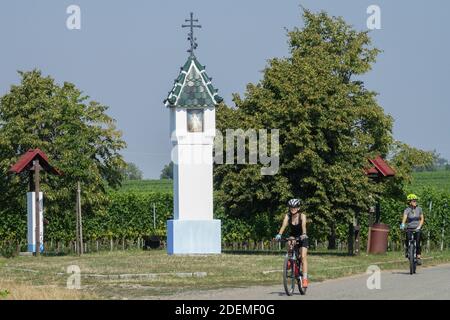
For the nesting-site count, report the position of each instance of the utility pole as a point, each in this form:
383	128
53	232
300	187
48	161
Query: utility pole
429	234
154	218
79	216
77	229
443	227
37	168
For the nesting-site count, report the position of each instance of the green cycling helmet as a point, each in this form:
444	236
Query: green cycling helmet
411	197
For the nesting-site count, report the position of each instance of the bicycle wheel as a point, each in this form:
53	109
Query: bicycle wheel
288	276
412	260
299	281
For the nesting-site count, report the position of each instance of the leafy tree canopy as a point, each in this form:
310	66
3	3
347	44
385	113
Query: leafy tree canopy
132	172
329	123
167	171
75	132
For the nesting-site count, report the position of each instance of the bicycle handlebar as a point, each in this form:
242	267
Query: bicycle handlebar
412	230
291	238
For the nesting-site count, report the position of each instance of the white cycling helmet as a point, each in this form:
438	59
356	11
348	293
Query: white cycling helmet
294	203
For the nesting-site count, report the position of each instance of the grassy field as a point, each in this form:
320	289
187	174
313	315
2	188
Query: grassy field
150	274
438	179
164	185
136	274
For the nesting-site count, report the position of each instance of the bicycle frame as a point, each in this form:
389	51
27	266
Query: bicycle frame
412	240
293	262
412	254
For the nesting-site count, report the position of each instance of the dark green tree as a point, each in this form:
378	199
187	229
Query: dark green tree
132	172
329	122
167	171
80	139
440	162
405	159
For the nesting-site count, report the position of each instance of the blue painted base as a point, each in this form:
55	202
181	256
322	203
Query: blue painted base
32	248
194	237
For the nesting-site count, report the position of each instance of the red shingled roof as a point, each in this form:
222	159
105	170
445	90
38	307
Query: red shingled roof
25	162
380	167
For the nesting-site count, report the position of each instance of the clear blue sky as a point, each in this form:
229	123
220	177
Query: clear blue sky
128	53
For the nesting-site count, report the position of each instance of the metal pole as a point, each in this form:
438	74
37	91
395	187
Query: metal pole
154	218
37	168
428	240
77	230
378	212
80	219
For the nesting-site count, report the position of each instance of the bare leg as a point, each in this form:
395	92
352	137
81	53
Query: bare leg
305	260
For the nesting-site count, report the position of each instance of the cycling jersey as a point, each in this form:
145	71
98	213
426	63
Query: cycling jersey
413	217
296	230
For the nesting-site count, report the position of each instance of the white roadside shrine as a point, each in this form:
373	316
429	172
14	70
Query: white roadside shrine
192	102
34	161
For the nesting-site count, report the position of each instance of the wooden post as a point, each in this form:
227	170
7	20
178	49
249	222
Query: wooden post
79	216
428	238
77	228
351	235
368	239
154	218
357	228
37	168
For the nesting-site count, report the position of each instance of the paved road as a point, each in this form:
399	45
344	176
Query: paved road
428	283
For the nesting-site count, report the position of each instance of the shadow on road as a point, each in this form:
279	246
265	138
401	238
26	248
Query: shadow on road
282	294
406	273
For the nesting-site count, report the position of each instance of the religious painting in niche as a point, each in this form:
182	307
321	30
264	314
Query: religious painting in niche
195	120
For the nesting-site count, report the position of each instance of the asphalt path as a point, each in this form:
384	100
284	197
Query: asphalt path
427	283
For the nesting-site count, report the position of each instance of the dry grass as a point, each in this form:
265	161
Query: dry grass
12	290
46	277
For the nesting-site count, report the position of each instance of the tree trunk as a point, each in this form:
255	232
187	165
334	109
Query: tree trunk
332	238
351	235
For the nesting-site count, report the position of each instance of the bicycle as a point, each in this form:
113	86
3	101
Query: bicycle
412	247
292	268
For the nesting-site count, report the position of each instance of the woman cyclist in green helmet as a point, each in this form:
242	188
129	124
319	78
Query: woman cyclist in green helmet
412	221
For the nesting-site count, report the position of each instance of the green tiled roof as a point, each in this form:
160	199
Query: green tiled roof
193	88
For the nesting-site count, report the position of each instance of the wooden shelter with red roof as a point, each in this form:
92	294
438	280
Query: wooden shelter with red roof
33	161
379	169
26	162
378	232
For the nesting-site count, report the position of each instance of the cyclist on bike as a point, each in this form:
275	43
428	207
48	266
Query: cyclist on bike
297	228
413	220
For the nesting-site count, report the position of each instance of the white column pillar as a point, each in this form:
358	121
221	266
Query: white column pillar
193	229
31	218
